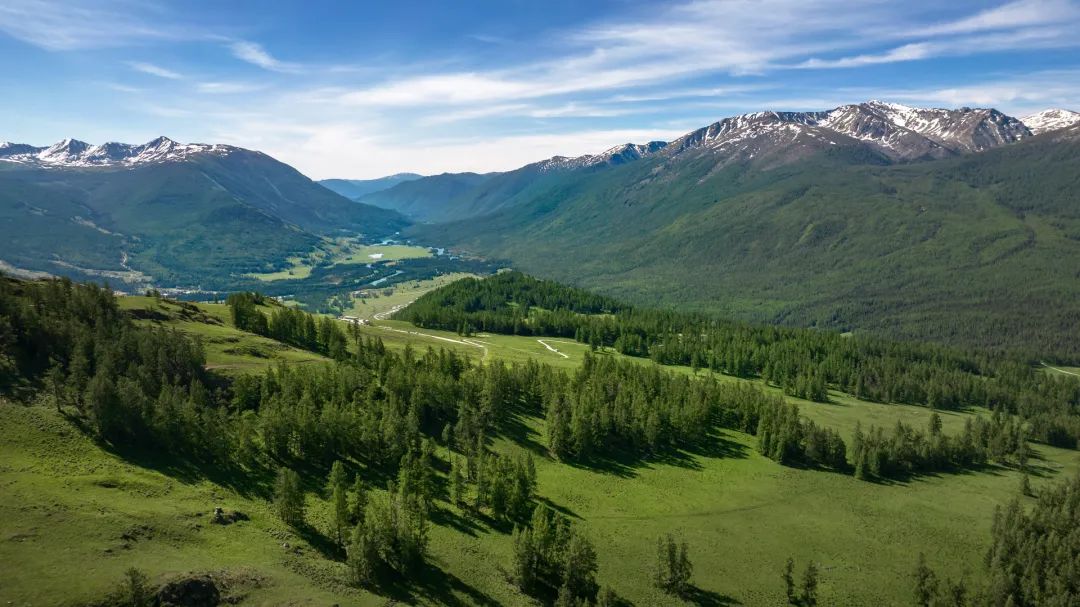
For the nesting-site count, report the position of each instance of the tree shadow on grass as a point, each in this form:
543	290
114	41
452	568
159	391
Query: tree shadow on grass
515	428
625	463
324	545
433	584
248	483
563	510
904	479
708	598
445	517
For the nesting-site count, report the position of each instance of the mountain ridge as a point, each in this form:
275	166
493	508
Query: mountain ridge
800	225
71	153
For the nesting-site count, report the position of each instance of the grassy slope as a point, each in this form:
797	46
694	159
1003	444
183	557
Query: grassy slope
227	349
69	504
383	300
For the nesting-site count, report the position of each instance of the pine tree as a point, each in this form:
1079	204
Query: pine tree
789	581
338	486
1025	485
810	583
357	501
925	582
362	556
457	483
289	497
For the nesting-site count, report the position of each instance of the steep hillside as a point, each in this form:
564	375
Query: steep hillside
165	212
795	224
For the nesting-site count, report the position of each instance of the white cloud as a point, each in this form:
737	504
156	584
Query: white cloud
154	70
908	52
227	88
255	54
87	24
675	68
1012	15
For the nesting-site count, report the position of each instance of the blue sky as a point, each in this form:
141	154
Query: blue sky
364	89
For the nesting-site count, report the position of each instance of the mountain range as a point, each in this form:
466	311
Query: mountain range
165	212
956	225
960	226
877	131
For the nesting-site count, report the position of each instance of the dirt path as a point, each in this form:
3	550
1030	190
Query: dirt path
1060	370
387	313
545	344
464	342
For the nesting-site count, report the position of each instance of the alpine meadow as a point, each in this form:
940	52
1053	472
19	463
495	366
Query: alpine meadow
692	302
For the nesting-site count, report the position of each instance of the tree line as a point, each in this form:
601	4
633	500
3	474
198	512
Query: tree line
805	363
1032	559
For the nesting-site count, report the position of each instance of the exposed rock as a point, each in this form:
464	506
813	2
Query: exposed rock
222	516
196	591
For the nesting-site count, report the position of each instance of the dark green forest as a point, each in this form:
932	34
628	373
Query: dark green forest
804	362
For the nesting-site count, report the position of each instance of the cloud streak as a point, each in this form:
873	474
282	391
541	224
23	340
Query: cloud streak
255	54
155	70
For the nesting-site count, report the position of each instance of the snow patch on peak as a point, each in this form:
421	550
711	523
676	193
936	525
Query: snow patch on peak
74	153
1050	120
616	155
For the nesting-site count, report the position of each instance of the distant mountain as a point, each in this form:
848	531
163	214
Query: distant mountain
355	188
75	153
429	198
1051	120
952	225
874	131
174	214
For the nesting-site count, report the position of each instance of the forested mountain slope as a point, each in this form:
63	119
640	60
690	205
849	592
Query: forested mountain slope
976	249
166	211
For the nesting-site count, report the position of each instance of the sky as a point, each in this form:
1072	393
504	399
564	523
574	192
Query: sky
366	89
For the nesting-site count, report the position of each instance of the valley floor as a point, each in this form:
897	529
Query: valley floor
75	515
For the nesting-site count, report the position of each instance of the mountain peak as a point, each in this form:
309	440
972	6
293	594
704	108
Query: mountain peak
619	154
1051	120
75	153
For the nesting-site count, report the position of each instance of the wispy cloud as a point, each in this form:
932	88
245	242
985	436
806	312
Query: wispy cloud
627	76
154	70
87	24
733	37
1011	15
255	54
227	88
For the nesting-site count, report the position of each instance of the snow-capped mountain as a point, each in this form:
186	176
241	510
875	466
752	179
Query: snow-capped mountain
74	153
1051	120
897	131
616	155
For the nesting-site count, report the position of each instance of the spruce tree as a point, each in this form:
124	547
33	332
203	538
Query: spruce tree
289	497
789	581
337	483
810	583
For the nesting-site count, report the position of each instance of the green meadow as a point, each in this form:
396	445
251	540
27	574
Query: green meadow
76	514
